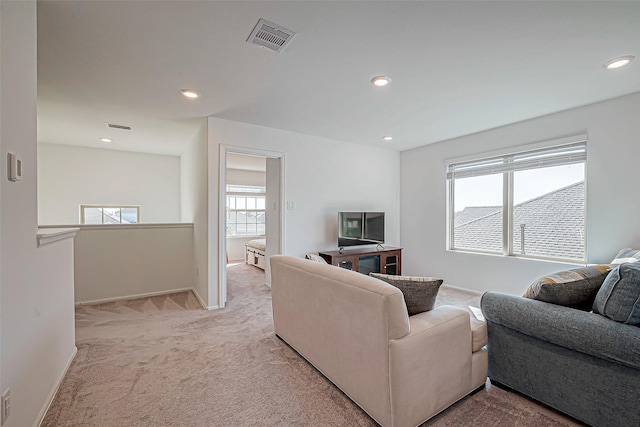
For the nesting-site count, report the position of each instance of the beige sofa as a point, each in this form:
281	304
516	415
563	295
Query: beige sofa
355	330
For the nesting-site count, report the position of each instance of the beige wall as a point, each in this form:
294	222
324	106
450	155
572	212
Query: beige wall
36	283
114	262
193	193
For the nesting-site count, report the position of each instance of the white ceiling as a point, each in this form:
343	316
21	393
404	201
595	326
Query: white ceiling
457	67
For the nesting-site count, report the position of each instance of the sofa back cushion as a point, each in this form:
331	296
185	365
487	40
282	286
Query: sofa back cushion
341	322
619	297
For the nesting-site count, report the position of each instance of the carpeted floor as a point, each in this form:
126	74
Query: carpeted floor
164	361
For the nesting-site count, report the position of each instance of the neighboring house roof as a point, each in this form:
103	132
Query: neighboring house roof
553	225
473	213
95	216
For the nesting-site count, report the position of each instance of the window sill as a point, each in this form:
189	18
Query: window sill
522	257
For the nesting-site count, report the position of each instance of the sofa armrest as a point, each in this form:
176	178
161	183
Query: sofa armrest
431	366
577	330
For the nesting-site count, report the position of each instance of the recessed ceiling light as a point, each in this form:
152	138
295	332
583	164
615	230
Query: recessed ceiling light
188	93
380	81
106	140
618	62
387	138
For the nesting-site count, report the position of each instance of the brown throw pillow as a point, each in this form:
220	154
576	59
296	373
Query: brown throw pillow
419	292
575	288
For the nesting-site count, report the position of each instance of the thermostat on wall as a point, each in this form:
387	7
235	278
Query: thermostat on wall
15	167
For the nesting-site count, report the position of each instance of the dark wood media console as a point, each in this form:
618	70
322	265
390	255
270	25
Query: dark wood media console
386	261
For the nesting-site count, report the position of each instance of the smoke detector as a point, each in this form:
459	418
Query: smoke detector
270	35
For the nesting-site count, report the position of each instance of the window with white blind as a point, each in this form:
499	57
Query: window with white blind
528	204
246	211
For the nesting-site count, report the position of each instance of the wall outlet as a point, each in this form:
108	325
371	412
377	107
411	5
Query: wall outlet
5	405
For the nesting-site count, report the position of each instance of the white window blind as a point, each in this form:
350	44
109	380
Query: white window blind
541	158
529	203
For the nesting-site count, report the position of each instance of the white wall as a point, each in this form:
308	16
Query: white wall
612	202
274	212
236	249
70	176
121	261
37	323
322	176
2	172
193	192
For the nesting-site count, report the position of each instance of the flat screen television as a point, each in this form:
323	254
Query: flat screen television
360	228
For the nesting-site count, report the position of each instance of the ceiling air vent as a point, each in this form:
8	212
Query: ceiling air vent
270	35
121	127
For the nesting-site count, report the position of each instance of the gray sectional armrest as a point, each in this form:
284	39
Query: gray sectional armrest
578	330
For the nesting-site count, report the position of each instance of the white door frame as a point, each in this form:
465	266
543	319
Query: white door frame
222	213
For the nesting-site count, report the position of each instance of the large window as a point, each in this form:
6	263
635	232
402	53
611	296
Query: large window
94	214
529	204
245	211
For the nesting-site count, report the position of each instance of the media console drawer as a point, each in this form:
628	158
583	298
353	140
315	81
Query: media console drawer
386	261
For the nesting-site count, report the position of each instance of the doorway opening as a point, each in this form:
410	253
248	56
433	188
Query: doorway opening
251	210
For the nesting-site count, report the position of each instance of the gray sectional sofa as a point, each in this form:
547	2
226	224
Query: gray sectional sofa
579	362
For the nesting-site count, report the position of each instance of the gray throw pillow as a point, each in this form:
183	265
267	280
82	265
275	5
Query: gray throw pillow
419	292
575	288
619	297
315	258
626	255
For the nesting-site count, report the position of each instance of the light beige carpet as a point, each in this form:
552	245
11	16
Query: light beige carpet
163	361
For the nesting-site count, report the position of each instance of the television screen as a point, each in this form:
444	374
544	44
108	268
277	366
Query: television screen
374	226
360	228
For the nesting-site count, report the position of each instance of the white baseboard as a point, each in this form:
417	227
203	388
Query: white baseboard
136	296
202	303
54	390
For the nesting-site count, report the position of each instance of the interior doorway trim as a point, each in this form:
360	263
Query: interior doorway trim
222	213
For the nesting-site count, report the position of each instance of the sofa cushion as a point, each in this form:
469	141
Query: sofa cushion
619	297
575	288
627	255
419	292
478	334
